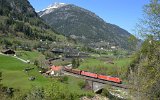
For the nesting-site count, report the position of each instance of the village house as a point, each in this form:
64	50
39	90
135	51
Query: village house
9	51
55	70
113	47
57	51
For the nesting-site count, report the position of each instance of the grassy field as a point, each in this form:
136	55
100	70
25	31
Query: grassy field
28	55
114	67
13	75
73	84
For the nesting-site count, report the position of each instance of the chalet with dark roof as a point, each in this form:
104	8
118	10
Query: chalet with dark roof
9	51
57	51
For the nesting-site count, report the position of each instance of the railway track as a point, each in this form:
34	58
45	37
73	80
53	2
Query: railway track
97	80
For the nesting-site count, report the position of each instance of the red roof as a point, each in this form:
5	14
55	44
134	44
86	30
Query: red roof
55	68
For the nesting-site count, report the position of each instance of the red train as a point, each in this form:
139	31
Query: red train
93	75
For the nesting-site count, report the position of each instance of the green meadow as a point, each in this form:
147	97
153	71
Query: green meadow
28	55
114	67
13	75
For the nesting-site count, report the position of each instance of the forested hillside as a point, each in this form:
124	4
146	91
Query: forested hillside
20	25
144	71
84	26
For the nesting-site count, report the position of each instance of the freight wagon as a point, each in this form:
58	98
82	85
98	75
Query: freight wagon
76	71
94	75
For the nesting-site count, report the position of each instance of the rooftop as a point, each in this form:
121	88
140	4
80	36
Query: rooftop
55	68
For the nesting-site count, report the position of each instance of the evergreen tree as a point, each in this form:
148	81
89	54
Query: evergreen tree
75	62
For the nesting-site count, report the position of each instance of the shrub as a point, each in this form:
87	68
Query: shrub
64	79
81	84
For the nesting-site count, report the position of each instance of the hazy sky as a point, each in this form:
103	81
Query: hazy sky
124	13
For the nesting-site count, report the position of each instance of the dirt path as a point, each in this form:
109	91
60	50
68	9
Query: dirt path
25	61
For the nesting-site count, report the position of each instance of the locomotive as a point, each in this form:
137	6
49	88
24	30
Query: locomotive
94	75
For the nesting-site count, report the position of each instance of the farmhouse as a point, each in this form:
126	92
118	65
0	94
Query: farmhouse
113	47
55	70
9	51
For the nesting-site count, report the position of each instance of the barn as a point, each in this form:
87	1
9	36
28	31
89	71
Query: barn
9	51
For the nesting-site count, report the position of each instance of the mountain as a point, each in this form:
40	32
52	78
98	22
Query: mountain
20	25
51	8
84	26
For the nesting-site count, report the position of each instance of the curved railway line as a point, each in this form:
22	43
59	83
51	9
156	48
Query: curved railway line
97	80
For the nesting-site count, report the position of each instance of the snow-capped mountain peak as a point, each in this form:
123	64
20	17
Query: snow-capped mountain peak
55	5
51	8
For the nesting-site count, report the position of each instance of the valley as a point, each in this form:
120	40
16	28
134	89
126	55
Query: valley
67	52
16	69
